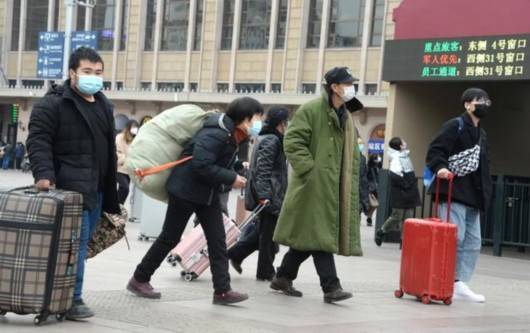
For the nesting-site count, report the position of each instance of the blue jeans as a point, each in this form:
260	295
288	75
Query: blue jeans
467	219
90	220
5	162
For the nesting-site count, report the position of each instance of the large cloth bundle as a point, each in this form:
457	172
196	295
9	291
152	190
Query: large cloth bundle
161	141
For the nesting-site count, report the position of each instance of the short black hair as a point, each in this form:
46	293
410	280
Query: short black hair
243	108
276	115
395	143
84	53
473	93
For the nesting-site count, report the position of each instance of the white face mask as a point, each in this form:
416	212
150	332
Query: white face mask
134	130
349	93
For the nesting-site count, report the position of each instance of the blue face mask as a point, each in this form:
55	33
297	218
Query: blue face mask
89	84
256	128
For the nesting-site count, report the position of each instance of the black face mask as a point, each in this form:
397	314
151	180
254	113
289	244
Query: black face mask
481	110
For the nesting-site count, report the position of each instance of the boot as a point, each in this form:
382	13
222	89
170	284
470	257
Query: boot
379	235
237	266
142	289
286	286
229	297
337	296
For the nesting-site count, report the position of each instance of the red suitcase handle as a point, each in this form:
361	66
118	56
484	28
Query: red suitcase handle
449	196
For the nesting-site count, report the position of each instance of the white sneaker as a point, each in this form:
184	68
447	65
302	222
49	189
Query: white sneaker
463	293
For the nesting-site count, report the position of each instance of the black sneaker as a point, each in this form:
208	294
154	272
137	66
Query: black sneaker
79	311
337	296
286	286
379	234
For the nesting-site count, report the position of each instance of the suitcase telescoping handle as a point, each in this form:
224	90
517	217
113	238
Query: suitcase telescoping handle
259	208
450	179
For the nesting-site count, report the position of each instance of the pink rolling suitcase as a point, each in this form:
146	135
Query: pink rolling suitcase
192	251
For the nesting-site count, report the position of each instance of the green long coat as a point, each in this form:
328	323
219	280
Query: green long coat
321	207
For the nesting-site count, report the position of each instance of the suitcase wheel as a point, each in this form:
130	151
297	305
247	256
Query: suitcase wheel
426	299
188	276
40	319
448	301
398	293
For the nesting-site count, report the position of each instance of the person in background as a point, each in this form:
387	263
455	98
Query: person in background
374	165
404	193
20	152
364	201
193	187
267	183
123	141
8	154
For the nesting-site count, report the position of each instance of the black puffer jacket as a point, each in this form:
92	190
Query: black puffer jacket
214	150
268	172
474	189
61	147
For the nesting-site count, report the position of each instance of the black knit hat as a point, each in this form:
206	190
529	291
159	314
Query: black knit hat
276	115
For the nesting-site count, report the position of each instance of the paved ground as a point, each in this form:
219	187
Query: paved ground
186	307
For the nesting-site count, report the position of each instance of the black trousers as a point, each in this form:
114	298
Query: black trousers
123	186
263	242
177	216
324	264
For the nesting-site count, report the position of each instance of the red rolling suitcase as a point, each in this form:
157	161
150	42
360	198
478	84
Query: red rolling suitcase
428	256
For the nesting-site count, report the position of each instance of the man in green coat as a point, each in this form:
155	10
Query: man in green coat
320	214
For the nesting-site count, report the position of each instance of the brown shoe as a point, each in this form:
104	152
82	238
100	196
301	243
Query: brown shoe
286	286
142	289
229	297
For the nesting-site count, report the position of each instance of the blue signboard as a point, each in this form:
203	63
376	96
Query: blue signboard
376	146
50	55
84	38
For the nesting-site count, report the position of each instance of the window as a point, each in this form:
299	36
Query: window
282	24
309	88
371	88
107	85
250	87
346	23
103	21
15	28
81	15
276	87
175	25
35	22
228	25
315	20
377	23
222	87
32	83
150	25
170	86
255	23
145	85
198	25
193	86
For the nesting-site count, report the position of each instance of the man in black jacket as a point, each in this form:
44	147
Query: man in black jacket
71	145
267	182
194	187
404	194
460	149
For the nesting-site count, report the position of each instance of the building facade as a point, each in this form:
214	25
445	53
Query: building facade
159	53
